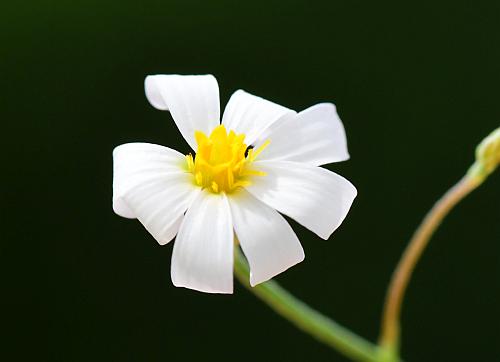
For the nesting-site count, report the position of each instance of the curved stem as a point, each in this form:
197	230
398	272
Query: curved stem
305	318
389	340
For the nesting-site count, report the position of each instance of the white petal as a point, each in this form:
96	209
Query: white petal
203	251
266	238
251	115
315	136
313	196
193	101
150	184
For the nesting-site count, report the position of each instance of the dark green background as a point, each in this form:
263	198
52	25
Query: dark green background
417	86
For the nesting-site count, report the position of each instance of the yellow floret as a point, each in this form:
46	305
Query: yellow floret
221	163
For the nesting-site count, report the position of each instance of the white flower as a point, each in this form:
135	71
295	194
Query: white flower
228	188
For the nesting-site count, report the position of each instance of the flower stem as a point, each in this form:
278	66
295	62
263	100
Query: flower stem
487	160
305	318
390	332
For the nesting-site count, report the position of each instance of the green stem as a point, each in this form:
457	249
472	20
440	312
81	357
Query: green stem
305	318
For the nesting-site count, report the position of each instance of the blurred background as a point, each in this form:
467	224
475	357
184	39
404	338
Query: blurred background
417	87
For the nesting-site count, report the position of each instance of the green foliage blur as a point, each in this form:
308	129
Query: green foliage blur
417	85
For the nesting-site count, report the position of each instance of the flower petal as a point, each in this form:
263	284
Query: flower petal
315	136
251	115
313	196
149	184
193	101
266	238
203	251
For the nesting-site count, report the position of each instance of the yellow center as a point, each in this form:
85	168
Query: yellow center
222	162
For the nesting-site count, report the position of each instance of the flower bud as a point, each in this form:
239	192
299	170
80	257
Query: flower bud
487	156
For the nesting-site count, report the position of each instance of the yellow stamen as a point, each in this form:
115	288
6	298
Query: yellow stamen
253	153
190	162
220	164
